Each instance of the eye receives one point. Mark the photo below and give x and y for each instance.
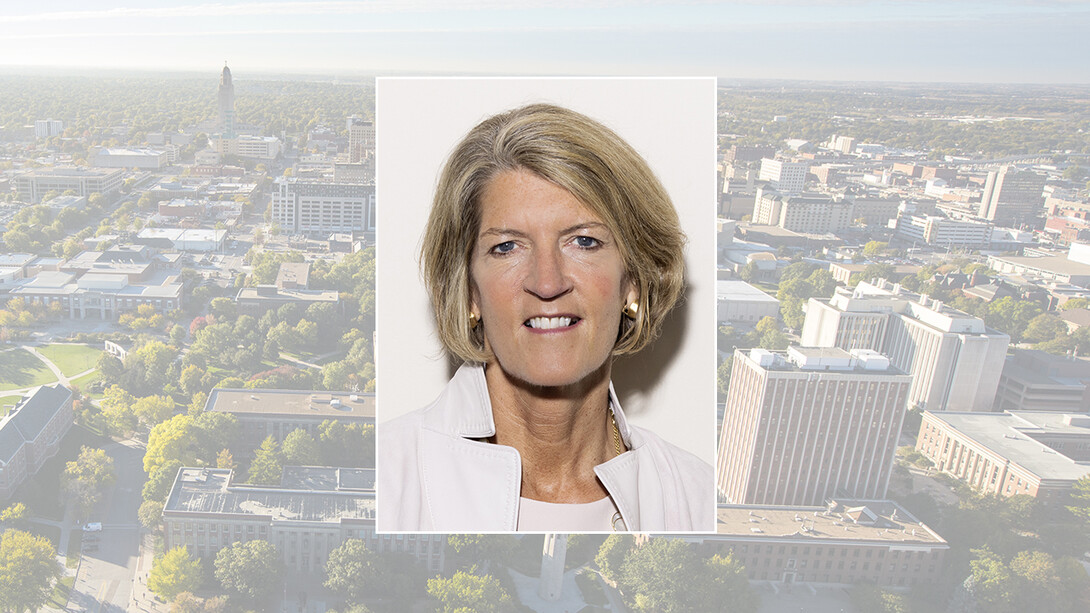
(587, 242)
(503, 248)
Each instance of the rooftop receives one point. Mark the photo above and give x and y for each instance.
(210, 490)
(302, 295)
(874, 521)
(740, 291)
(1059, 264)
(328, 405)
(30, 415)
(1009, 436)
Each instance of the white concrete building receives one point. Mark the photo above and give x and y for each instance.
(131, 158)
(954, 359)
(84, 181)
(943, 232)
(785, 176)
(44, 128)
(810, 423)
(321, 207)
(740, 302)
(246, 146)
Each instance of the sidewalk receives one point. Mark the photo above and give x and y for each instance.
(142, 599)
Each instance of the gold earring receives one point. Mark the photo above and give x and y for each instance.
(631, 310)
(473, 321)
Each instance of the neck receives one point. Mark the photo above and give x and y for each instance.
(562, 433)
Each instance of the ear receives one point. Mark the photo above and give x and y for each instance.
(632, 293)
(474, 302)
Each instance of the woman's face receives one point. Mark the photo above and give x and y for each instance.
(547, 281)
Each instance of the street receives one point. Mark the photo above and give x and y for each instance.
(105, 577)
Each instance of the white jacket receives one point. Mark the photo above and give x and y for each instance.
(433, 477)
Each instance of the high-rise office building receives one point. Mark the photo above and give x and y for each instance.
(808, 424)
(1012, 195)
(361, 139)
(954, 358)
(322, 207)
(225, 98)
(785, 176)
(807, 213)
(44, 128)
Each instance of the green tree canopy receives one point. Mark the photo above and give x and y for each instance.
(251, 569)
(354, 571)
(174, 572)
(87, 477)
(465, 592)
(268, 463)
(28, 568)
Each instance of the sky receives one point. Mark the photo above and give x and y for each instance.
(996, 41)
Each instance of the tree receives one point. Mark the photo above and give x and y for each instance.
(723, 376)
(153, 410)
(150, 514)
(174, 572)
(28, 568)
(1080, 501)
(251, 569)
(771, 337)
(186, 602)
(160, 480)
(465, 592)
(724, 580)
(1076, 303)
(299, 449)
(611, 555)
(15, 515)
(177, 335)
(267, 463)
(993, 584)
(873, 248)
(1044, 327)
(661, 576)
(353, 571)
(190, 379)
(109, 367)
(87, 477)
(224, 459)
(116, 406)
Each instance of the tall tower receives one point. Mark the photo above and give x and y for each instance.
(810, 424)
(1012, 195)
(551, 583)
(226, 100)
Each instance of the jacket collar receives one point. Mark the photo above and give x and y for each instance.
(467, 409)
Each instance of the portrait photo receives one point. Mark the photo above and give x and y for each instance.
(545, 286)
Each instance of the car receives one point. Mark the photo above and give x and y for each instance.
(94, 526)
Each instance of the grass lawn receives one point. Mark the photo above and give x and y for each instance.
(19, 368)
(85, 382)
(5, 401)
(71, 359)
(75, 542)
(61, 589)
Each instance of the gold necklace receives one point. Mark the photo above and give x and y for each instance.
(617, 523)
(616, 432)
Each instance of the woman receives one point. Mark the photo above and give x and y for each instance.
(551, 247)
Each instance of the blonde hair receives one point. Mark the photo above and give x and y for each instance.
(587, 159)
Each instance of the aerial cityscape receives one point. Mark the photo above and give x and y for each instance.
(187, 333)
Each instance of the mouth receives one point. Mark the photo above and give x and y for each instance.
(551, 323)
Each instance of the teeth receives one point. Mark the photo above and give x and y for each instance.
(548, 323)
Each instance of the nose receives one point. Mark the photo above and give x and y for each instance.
(547, 278)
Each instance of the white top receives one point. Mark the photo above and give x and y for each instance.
(538, 516)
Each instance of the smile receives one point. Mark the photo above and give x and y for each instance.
(550, 323)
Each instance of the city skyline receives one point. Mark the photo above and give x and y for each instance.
(998, 42)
